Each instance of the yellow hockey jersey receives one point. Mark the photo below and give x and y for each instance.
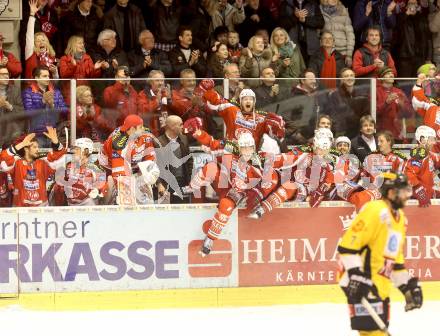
(374, 243)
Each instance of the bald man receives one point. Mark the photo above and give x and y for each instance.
(174, 160)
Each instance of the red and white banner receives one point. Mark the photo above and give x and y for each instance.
(297, 246)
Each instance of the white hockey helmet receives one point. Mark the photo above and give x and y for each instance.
(322, 142)
(324, 132)
(245, 139)
(425, 132)
(84, 143)
(247, 93)
(343, 139)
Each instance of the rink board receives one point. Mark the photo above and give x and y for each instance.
(146, 257)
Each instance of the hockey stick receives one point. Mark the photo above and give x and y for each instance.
(66, 132)
(375, 316)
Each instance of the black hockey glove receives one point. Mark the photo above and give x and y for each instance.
(359, 286)
(413, 294)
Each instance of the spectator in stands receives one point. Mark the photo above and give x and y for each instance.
(264, 33)
(174, 146)
(43, 103)
(154, 100)
(346, 105)
(392, 105)
(127, 21)
(256, 18)
(369, 60)
(328, 62)
(38, 50)
(232, 72)
(287, 56)
(184, 56)
(218, 60)
(8, 60)
(431, 86)
(186, 104)
(338, 22)
(434, 26)
(369, 13)
(302, 19)
(413, 40)
(270, 91)
(365, 142)
(234, 47)
(45, 20)
(166, 23)
(121, 98)
(90, 123)
(220, 34)
(228, 15)
(197, 15)
(109, 54)
(83, 20)
(146, 57)
(324, 121)
(12, 122)
(253, 59)
(77, 64)
(306, 104)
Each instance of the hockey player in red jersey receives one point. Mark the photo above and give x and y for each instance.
(421, 167)
(235, 175)
(427, 109)
(306, 175)
(82, 182)
(364, 188)
(5, 192)
(236, 118)
(30, 173)
(130, 156)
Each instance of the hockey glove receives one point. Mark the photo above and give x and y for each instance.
(317, 196)
(192, 125)
(359, 285)
(420, 193)
(413, 294)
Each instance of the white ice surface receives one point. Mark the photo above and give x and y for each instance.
(320, 319)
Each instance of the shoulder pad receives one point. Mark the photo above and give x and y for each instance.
(419, 153)
(231, 147)
(263, 113)
(335, 152)
(305, 148)
(399, 154)
(119, 140)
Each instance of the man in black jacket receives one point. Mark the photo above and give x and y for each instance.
(302, 19)
(83, 21)
(269, 92)
(174, 160)
(108, 52)
(127, 21)
(366, 141)
(145, 57)
(184, 57)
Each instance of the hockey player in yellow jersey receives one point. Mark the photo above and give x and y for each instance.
(371, 256)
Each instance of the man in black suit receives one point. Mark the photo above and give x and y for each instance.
(174, 160)
(366, 141)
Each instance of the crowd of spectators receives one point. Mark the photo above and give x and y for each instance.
(290, 52)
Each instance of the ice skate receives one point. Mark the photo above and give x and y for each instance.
(206, 247)
(257, 213)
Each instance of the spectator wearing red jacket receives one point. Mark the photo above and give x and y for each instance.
(90, 123)
(121, 98)
(392, 105)
(8, 60)
(38, 50)
(153, 101)
(371, 58)
(77, 64)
